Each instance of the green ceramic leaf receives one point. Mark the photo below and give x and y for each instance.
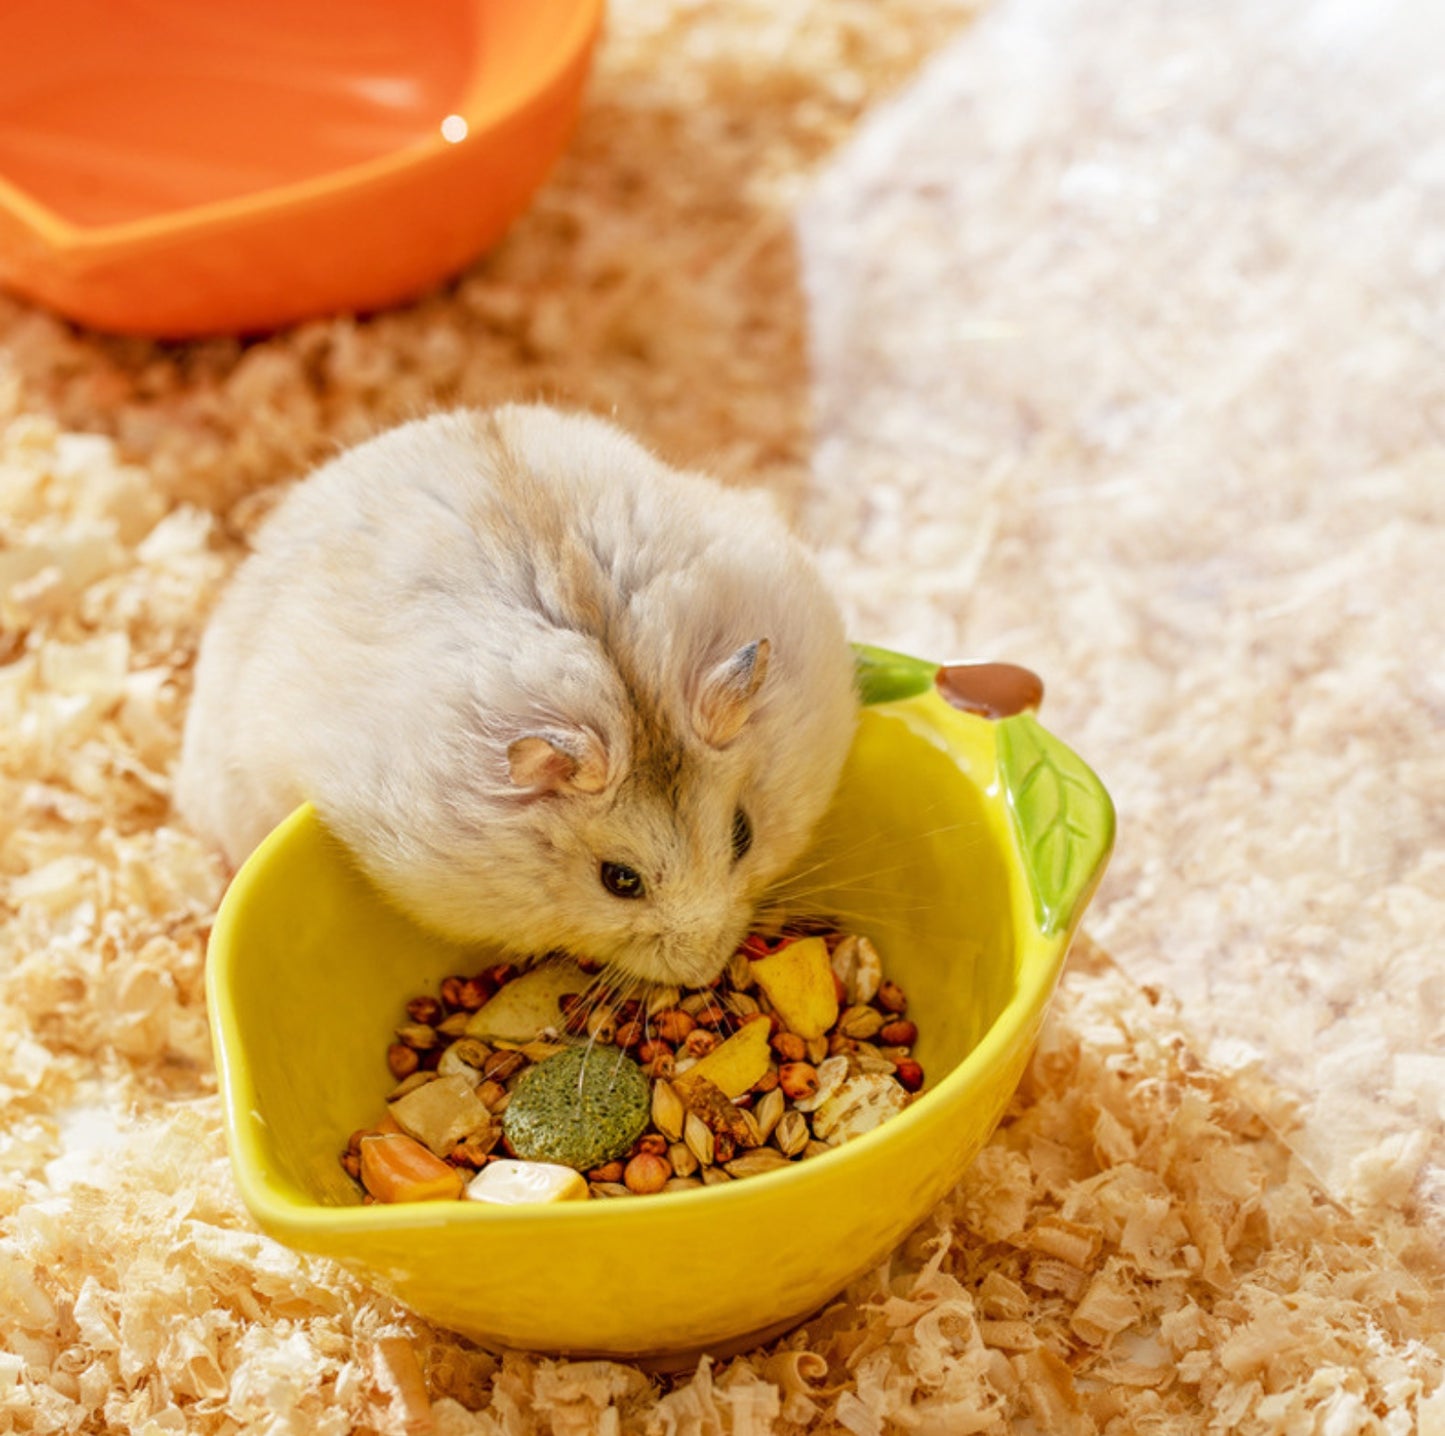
(1062, 817)
(884, 676)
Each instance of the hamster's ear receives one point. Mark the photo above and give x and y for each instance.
(724, 700)
(557, 760)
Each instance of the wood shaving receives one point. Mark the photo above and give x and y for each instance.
(1136, 1249)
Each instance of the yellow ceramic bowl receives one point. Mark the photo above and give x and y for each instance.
(965, 847)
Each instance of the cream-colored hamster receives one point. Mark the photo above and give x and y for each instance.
(552, 693)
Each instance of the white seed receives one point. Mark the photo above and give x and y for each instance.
(743, 1005)
(740, 972)
(767, 1112)
(858, 1105)
(682, 1184)
(859, 968)
(410, 1084)
(753, 1134)
(754, 1164)
(791, 1134)
(698, 1136)
(714, 1177)
(668, 1113)
(860, 1022)
(465, 1055)
(608, 1189)
(831, 1075)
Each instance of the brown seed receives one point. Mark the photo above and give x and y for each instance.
(890, 997)
(418, 1035)
(607, 1172)
(798, 1079)
(682, 1184)
(353, 1142)
(673, 1025)
(590, 965)
(723, 1147)
(663, 1065)
(653, 1142)
(502, 1065)
(714, 1177)
(682, 1159)
(901, 1033)
(646, 1173)
(602, 1026)
(651, 1049)
(351, 1161)
(473, 994)
(712, 1014)
(767, 1082)
(475, 1151)
(608, 1189)
(425, 1009)
(452, 992)
(699, 1042)
(575, 1021)
(909, 1074)
(455, 1025)
(789, 1047)
(838, 1044)
(494, 1095)
(629, 1011)
(402, 1060)
(631, 1034)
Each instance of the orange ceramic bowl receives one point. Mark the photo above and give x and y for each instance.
(185, 167)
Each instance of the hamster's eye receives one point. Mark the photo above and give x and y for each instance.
(621, 880)
(742, 835)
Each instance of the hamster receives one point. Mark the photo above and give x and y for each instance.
(550, 692)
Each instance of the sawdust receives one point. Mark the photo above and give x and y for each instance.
(1135, 1250)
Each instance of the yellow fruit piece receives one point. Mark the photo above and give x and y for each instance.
(511, 1183)
(396, 1168)
(528, 1003)
(440, 1114)
(733, 1066)
(798, 980)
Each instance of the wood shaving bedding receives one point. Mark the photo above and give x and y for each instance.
(1135, 1250)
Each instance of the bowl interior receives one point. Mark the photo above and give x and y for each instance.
(313, 968)
(111, 114)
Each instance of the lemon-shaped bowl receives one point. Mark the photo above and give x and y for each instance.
(965, 846)
(175, 168)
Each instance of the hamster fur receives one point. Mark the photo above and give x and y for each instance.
(517, 662)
